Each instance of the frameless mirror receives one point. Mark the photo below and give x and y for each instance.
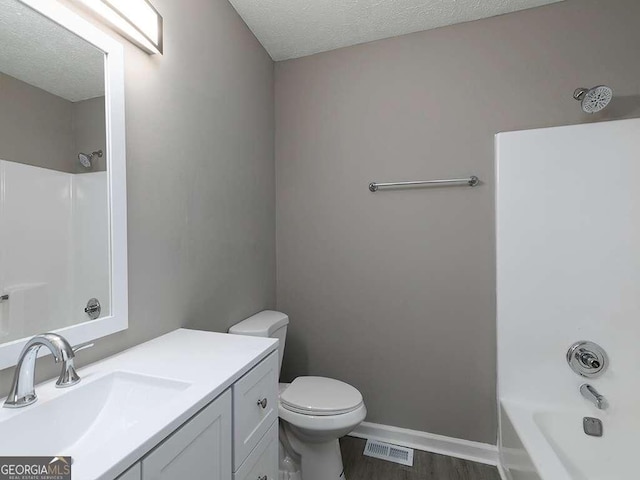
(61, 170)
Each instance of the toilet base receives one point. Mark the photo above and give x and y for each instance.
(322, 461)
(290, 476)
(289, 463)
(309, 460)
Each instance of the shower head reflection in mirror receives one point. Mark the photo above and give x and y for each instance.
(86, 159)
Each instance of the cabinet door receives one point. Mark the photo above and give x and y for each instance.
(132, 474)
(200, 449)
(262, 464)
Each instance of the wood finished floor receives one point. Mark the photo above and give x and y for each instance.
(426, 466)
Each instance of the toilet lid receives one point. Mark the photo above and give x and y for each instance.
(320, 396)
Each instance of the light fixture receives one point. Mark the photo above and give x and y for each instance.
(137, 20)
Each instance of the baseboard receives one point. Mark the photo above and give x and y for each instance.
(429, 442)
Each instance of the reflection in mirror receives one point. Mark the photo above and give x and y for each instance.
(54, 205)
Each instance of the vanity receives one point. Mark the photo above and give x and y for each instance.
(186, 405)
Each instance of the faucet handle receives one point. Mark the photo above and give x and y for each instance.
(69, 376)
(82, 346)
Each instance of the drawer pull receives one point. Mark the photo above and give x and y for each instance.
(262, 403)
(263, 477)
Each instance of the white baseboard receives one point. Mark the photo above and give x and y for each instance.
(429, 442)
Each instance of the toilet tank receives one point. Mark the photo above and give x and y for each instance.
(268, 324)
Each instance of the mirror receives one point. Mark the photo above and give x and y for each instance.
(61, 167)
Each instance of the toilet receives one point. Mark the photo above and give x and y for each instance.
(314, 411)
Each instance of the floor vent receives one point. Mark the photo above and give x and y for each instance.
(391, 453)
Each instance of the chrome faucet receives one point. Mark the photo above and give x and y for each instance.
(593, 396)
(22, 389)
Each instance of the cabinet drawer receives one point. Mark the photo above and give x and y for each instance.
(263, 461)
(255, 407)
(200, 449)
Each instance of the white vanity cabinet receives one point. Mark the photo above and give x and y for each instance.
(199, 449)
(235, 437)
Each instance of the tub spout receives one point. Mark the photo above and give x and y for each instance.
(593, 396)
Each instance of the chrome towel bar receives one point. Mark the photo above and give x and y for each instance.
(469, 182)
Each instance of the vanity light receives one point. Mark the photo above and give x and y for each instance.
(137, 20)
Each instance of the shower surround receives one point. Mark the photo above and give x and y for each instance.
(50, 262)
(568, 269)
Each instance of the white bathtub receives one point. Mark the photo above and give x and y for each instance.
(549, 443)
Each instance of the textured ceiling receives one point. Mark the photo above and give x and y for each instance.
(39, 52)
(295, 28)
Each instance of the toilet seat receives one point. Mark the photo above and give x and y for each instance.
(326, 426)
(320, 396)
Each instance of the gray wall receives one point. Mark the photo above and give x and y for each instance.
(394, 291)
(42, 129)
(200, 184)
(89, 133)
(35, 126)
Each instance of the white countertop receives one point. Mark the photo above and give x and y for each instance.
(209, 362)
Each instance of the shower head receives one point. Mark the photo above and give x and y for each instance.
(594, 99)
(86, 159)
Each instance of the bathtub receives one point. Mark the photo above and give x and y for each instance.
(549, 443)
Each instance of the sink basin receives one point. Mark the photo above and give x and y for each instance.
(86, 417)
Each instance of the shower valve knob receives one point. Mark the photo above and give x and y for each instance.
(594, 364)
(587, 359)
(93, 308)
